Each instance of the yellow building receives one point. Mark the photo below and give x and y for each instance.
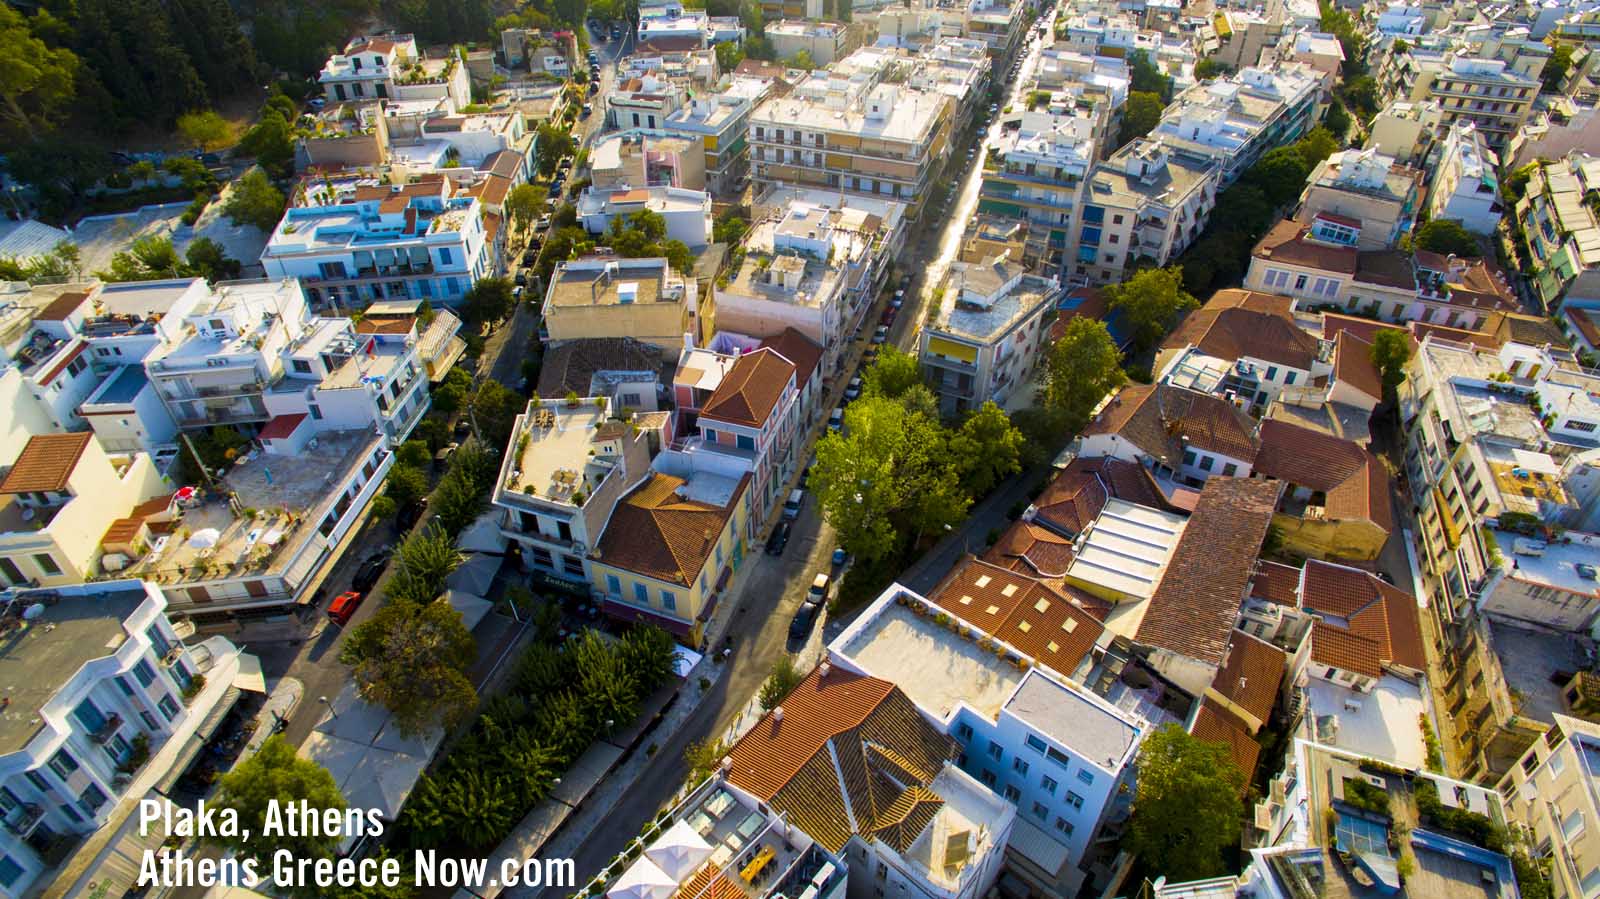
(604, 296)
(670, 549)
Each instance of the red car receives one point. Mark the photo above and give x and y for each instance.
(343, 606)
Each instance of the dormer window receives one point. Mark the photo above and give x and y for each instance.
(1339, 232)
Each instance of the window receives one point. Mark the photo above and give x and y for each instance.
(1040, 812)
(1584, 426)
(1572, 825)
(613, 586)
(444, 256)
(641, 594)
(1034, 743)
(89, 716)
(669, 601)
(964, 731)
(1019, 765)
(746, 443)
(1074, 800)
(168, 707)
(76, 366)
(149, 720)
(1065, 826)
(38, 781)
(63, 764)
(46, 563)
(987, 777)
(1012, 794)
(1230, 470)
(9, 870)
(91, 798)
(1189, 457)
(1085, 776)
(301, 366)
(1300, 282)
(1288, 378)
(1272, 373)
(1207, 462)
(1334, 232)
(1049, 784)
(995, 751)
(72, 816)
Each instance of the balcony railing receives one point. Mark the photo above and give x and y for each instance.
(106, 730)
(25, 819)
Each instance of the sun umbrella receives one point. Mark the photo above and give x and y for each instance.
(205, 538)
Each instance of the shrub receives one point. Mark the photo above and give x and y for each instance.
(1365, 796)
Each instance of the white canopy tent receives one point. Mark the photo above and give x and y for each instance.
(643, 881)
(679, 852)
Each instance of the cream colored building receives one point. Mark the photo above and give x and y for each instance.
(1554, 792)
(604, 296)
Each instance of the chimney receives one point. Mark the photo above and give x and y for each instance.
(777, 715)
(823, 669)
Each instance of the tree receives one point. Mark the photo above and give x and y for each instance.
(405, 484)
(1338, 23)
(1391, 350)
(1280, 174)
(1317, 145)
(554, 143)
(192, 172)
(270, 142)
(494, 409)
(1152, 302)
(523, 204)
(729, 55)
(1336, 120)
(416, 667)
(1187, 807)
(729, 229)
(36, 80)
(678, 255)
(704, 756)
(61, 167)
(204, 129)
(1148, 78)
(254, 201)
(1079, 370)
(780, 682)
(1209, 68)
(206, 259)
(1361, 95)
(987, 447)
(1445, 236)
(1400, 47)
(489, 300)
(895, 372)
(149, 258)
(1554, 73)
(1140, 115)
(276, 774)
(802, 60)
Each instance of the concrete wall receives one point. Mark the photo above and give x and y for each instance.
(1330, 539)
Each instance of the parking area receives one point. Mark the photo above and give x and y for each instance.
(101, 237)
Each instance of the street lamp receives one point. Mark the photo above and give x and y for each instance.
(327, 702)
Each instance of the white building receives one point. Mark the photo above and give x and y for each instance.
(388, 67)
(381, 242)
(109, 706)
(1233, 121)
(1465, 185)
(989, 337)
(687, 212)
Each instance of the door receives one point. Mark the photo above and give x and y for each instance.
(10, 571)
(255, 588)
(199, 594)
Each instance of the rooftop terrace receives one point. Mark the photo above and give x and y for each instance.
(1568, 564)
(937, 667)
(553, 459)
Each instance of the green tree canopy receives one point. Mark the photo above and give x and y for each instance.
(554, 143)
(271, 143)
(1209, 68)
(149, 257)
(1152, 302)
(204, 129)
(1140, 115)
(1554, 73)
(253, 200)
(802, 60)
(895, 372)
(489, 300)
(36, 80)
(523, 204)
(1445, 236)
(1079, 370)
(986, 448)
(414, 665)
(495, 408)
(1147, 77)
(207, 259)
(1187, 808)
(1391, 350)
(729, 55)
(780, 682)
(1281, 174)
(276, 774)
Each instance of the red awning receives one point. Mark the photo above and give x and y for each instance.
(624, 612)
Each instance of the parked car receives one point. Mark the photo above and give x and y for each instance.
(588, 110)
(367, 574)
(853, 389)
(516, 293)
(840, 557)
(805, 618)
(616, 32)
(542, 225)
(344, 606)
(836, 419)
(898, 300)
(522, 279)
(881, 334)
(820, 587)
(889, 316)
(779, 538)
(870, 356)
(791, 506)
(410, 514)
(530, 256)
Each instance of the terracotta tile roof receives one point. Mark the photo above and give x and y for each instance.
(1213, 724)
(1092, 303)
(1194, 607)
(655, 532)
(1352, 364)
(845, 753)
(904, 820)
(1044, 623)
(1339, 219)
(1433, 262)
(1481, 285)
(281, 426)
(1353, 479)
(1287, 243)
(1155, 418)
(503, 163)
(570, 366)
(395, 203)
(62, 306)
(1032, 550)
(1587, 323)
(495, 189)
(1363, 623)
(46, 463)
(799, 349)
(1251, 675)
(1364, 328)
(1235, 324)
(1075, 497)
(1276, 582)
(1531, 330)
(1390, 268)
(1420, 330)
(122, 531)
(385, 325)
(750, 391)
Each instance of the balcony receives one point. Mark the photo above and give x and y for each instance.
(24, 819)
(107, 730)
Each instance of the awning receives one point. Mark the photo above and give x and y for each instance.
(249, 676)
(202, 733)
(952, 349)
(624, 612)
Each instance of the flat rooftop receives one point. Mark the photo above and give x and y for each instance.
(1537, 664)
(911, 115)
(554, 463)
(284, 493)
(937, 668)
(983, 324)
(1127, 548)
(968, 807)
(121, 387)
(594, 285)
(1553, 564)
(1523, 478)
(380, 363)
(1381, 724)
(37, 657)
(1074, 720)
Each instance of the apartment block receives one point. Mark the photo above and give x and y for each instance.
(1244, 347)
(1235, 120)
(109, 711)
(1368, 189)
(1145, 202)
(1553, 791)
(1563, 231)
(989, 335)
(377, 242)
(605, 296)
(389, 67)
(721, 122)
(998, 23)
(1038, 173)
(1465, 186)
(1490, 93)
(824, 42)
(866, 136)
(687, 213)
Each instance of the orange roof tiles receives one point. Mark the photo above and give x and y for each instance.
(1194, 607)
(1287, 243)
(62, 306)
(1251, 674)
(800, 350)
(1156, 418)
(46, 463)
(1240, 323)
(1212, 724)
(1021, 611)
(1352, 364)
(1363, 623)
(1276, 582)
(750, 391)
(1356, 487)
(1032, 550)
(657, 533)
